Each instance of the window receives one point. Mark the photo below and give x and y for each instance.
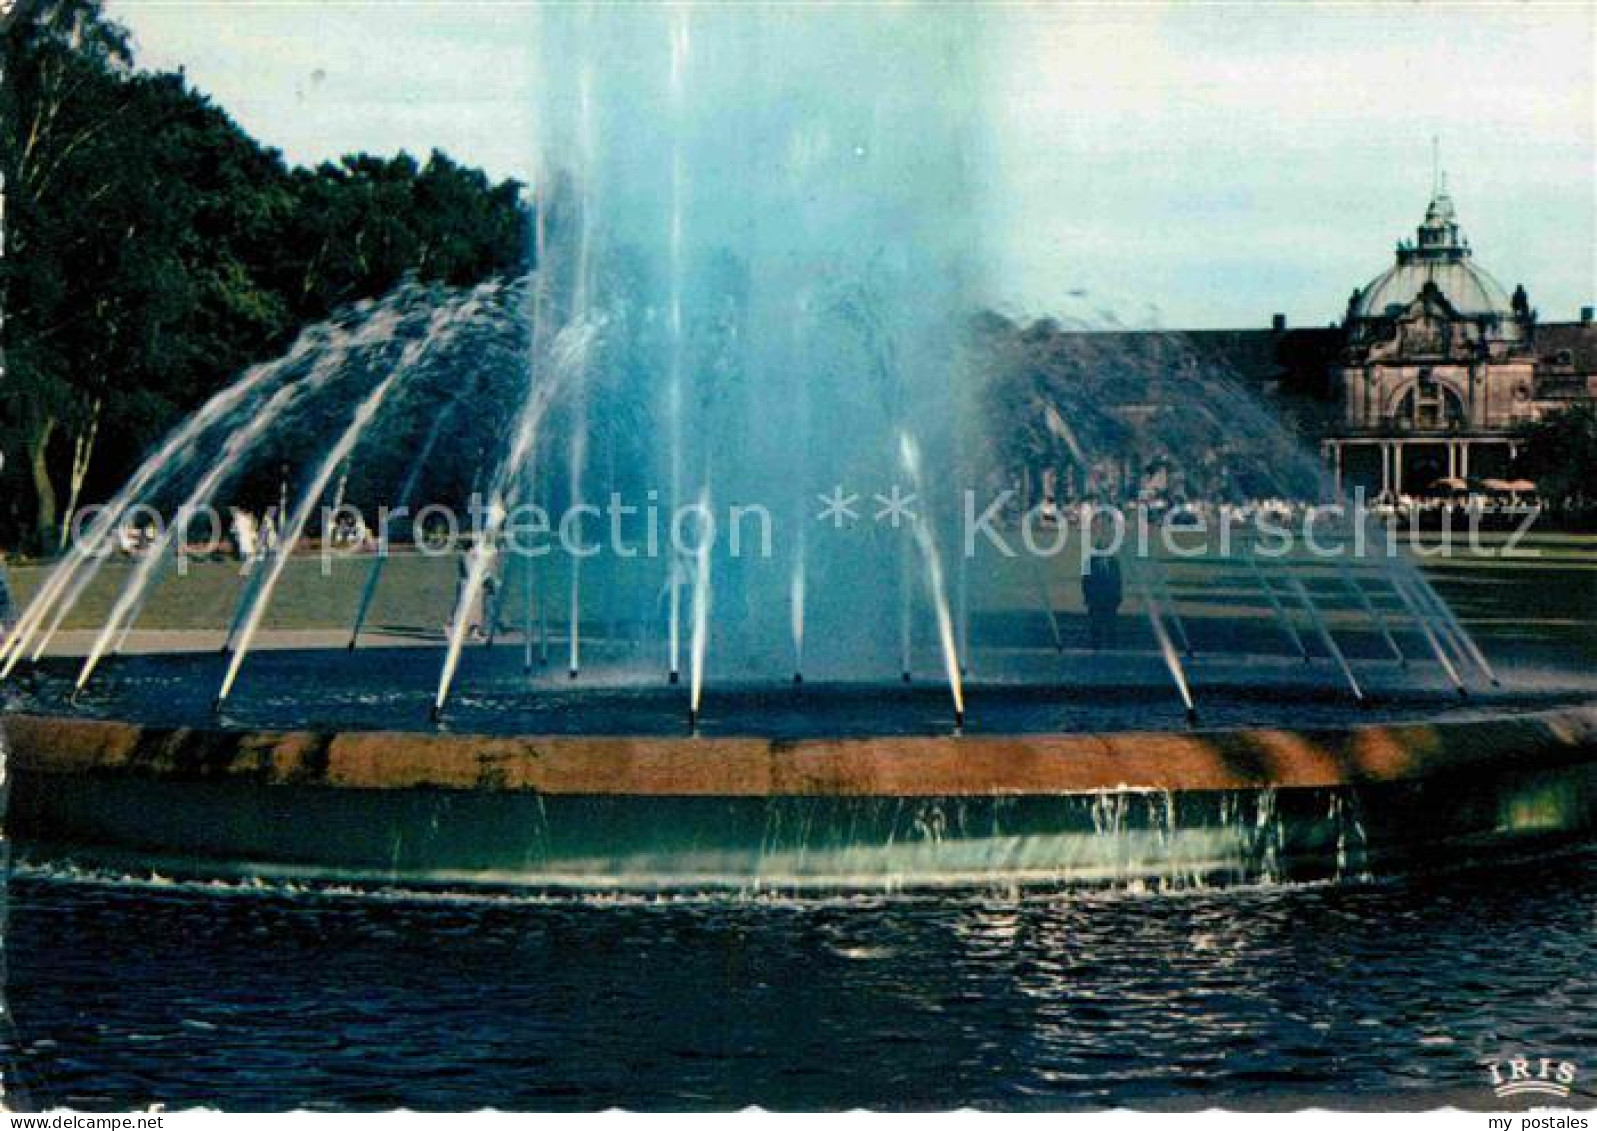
(1428, 405)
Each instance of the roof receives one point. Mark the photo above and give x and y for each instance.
(1468, 288)
(1440, 255)
(1578, 338)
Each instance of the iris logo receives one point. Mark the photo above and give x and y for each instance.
(1521, 1076)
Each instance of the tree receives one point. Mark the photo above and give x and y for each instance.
(58, 105)
(1559, 452)
(156, 250)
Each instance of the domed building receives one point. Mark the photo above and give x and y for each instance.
(1437, 371)
(1441, 257)
(1427, 378)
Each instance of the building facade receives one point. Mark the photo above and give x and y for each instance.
(1422, 387)
(1440, 367)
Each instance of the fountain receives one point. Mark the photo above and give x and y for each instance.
(759, 258)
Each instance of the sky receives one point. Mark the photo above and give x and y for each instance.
(1194, 165)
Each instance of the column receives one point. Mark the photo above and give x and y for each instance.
(1397, 466)
(1463, 459)
(1386, 467)
(1452, 459)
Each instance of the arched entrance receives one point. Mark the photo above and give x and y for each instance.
(1429, 405)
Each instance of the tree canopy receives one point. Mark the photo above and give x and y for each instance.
(154, 249)
(1559, 452)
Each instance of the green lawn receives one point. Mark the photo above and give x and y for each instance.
(1541, 604)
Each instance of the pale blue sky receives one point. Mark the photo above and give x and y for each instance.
(1198, 165)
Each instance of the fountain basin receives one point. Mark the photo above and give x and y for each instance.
(1158, 808)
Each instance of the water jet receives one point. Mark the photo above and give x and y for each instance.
(679, 340)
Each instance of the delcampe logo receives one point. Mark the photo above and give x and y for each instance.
(1522, 1076)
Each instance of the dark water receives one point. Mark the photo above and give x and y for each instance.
(390, 689)
(130, 995)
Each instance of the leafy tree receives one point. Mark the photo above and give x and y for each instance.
(1559, 452)
(60, 64)
(155, 249)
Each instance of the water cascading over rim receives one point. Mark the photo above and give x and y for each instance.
(760, 251)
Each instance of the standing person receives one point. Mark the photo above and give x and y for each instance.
(462, 572)
(474, 625)
(245, 537)
(1102, 590)
(8, 608)
(267, 540)
(490, 601)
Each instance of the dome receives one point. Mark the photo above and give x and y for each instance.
(1466, 286)
(1442, 256)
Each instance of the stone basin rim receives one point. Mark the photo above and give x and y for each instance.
(905, 766)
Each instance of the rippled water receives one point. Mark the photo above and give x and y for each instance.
(337, 689)
(128, 995)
